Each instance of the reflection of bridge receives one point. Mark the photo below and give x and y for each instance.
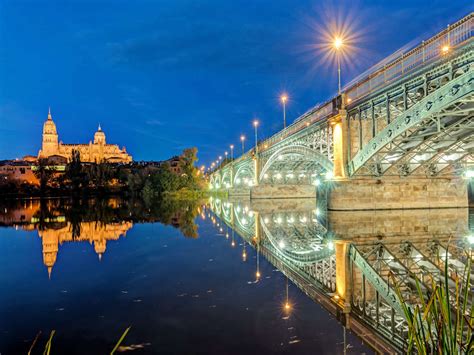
(404, 130)
(352, 272)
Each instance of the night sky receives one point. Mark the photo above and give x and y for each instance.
(160, 76)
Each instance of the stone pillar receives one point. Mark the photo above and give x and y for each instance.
(256, 169)
(339, 141)
(398, 193)
(343, 286)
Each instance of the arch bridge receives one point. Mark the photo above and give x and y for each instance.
(406, 127)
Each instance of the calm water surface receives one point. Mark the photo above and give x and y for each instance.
(183, 282)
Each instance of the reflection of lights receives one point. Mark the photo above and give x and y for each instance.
(470, 239)
(469, 174)
(244, 255)
(221, 230)
(227, 235)
(233, 244)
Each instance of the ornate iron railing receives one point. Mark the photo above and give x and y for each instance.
(453, 36)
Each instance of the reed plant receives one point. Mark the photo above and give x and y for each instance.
(442, 321)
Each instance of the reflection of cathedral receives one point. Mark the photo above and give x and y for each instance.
(94, 232)
(93, 152)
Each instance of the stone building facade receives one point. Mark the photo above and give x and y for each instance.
(94, 152)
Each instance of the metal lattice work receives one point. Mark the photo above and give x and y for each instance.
(377, 270)
(296, 236)
(294, 164)
(406, 132)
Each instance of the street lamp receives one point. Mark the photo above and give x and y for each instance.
(226, 153)
(231, 152)
(337, 45)
(284, 99)
(255, 124)
(242, 139)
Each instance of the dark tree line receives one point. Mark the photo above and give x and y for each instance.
(82, 179)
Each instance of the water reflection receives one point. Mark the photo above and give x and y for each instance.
(95, 221)
(345, 261)
(351, 262)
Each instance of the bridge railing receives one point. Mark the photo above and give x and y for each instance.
(429, 50)
(314, 115)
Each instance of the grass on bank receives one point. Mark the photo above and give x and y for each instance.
(442, 322)
(47, 349)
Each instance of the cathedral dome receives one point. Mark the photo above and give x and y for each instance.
(49, 127)
(99, 136)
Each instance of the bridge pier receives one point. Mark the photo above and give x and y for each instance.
(268, 191)
(398, 193)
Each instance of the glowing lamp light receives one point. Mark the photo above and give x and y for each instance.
(317, 182)
(445, 49)
(470, 239)
(257, 274)
(338, 43)
(281, 244)
(329, 175)
(331, 246)
(287, 306)
(284, 98)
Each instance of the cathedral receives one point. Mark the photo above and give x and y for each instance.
(96, 152)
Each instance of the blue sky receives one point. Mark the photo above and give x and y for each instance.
(163, 75)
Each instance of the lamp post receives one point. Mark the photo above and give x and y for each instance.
(337, 44)
(231, 152)
(226, 153)
(255, 124)
(284, 99)
(242, 139)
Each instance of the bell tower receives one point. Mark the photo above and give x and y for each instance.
(50, 138)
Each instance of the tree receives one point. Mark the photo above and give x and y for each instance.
(74, 171)
(44, 173)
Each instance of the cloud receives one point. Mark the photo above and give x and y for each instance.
(154, 122)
